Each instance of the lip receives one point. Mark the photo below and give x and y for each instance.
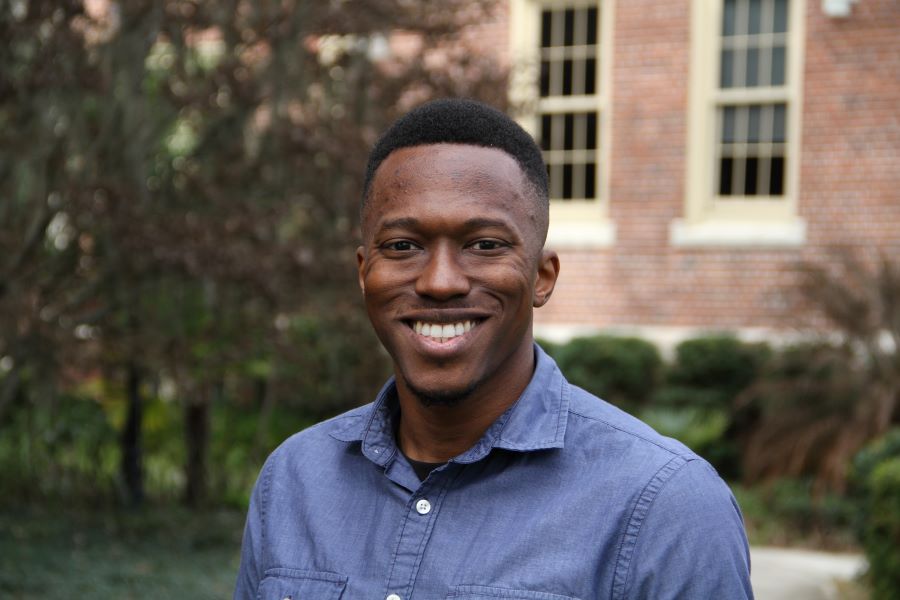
(443, 350)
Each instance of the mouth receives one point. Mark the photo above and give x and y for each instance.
(443, 332)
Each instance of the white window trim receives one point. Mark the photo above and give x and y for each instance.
(740, 222)
(573, 224)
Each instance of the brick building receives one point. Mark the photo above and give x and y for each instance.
(699, 148)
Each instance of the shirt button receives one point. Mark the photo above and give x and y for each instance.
(423, 507)
(393, 597)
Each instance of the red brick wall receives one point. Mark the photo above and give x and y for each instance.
(849, 174)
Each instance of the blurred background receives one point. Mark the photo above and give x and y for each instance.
(179, 193)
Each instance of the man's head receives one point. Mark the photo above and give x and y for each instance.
(452, 261)
(460, 121)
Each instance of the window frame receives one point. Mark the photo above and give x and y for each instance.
(710, 219)
(573, 223)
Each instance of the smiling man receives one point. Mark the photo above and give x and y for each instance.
(478, 472)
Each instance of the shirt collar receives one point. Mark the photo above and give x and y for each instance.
(536, 421)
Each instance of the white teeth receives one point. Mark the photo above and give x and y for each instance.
(442, 332)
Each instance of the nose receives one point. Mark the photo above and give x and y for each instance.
(442, 276)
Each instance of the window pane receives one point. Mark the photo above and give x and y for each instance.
(592, 26)
(545, 78)
(590, 76)
(546, 19)
(567, 181)
(590, 184)
(776, 176)
(567, 78)
(779, 58)
(778, 121)
(726, 164)
(753, 125)
(755, 16)
(781, 16)
(728, 124)
(726, 78)
(545, 132)
(752, 79)
(591, 131)
(751, 170)
(568, 130)
(729, 14)
(569, 29)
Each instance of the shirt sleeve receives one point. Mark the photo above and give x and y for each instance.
(252, 547)
(690, 540)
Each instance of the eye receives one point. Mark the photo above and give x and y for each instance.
(487, 245)
(398, 246)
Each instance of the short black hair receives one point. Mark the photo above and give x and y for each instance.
(462, 121)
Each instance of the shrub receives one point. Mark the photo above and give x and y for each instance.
(876, 486)
(622, 370)
(811, 416)
(701, 386)
(712, 370)
(882, 533)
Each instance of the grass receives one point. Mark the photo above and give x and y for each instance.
(89, 553)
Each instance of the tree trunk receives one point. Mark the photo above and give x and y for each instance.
(196, 427)
(131, 446)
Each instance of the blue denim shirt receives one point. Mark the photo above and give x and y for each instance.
(564, 496)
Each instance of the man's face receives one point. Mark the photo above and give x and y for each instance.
(451, 266)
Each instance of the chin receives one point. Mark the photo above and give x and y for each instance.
(430, 396)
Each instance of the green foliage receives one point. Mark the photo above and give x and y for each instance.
(110, 554)
(876, 486)
(699, 428)
(622, 370)
(712, 370)
(787, 512)
(882, 537)
(809, 421)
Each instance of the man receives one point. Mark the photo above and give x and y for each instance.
(479, 472)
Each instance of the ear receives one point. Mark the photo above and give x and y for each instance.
(547, 273)
(361, 268)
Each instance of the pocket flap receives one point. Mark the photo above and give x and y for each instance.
(297, 584)
(483, 592)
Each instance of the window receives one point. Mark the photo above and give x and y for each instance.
(560, 54)
(568, 125)
(745, 96)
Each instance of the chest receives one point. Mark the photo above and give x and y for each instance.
(513, 529)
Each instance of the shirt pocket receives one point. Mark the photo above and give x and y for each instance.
(297, 584)
(483, 592)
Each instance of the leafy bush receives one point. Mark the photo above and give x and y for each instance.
(812, 416)
(702, 430)
(882, 534)
(622, 370)
(788, 512)
(876, 485)
(712, 370)
(701, 384)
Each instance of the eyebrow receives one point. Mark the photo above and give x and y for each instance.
(474, 223)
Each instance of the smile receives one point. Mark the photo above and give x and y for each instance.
(443, 332)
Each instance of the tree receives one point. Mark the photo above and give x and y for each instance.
(183, 181)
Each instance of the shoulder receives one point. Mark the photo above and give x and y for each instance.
(334, 432)
(593, 421)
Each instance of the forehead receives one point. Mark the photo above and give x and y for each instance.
(450, 176)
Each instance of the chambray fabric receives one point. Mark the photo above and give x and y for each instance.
(564, 497)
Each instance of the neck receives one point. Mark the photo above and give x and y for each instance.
(436, 433)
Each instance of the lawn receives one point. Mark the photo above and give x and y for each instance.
(100, 554)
